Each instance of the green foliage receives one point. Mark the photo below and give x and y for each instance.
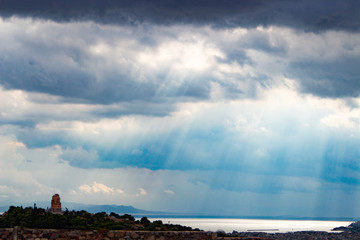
(39, 218)
(221, 233)
(145, 221)
(125, 217)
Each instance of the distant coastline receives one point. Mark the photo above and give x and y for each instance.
(19, 221)
(138, 213)
(172, 215)
(229, 225)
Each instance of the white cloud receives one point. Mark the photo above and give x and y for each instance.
(85, 188)
(186, 54)
(142, 192)
(169, 192)
(99, 188)
(119, 191)
(343, 117)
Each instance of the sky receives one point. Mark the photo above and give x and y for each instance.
(233, 107)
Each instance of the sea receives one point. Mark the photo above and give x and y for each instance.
(229, 225)
(254, 225)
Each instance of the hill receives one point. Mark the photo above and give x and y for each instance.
(34, 217)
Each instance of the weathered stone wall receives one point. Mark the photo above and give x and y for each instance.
(42, 234)
(243, 238)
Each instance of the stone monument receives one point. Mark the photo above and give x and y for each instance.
(55, 204)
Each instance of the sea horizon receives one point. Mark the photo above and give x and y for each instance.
(229, 225)
(278, 217)
(185, 216)
(160, 214)
(268, 224)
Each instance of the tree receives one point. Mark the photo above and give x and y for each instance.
(145, 221)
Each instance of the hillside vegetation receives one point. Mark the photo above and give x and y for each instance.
(33, 217)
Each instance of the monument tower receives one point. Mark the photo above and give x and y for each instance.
(55, 204)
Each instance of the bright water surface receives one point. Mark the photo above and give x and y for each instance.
(254, 225)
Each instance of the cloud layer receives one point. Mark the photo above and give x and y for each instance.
(309, 15)
(154, 104)
(170, 64)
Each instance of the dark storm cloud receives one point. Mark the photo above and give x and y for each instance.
(82, 87)
(308, 15)
(337, 78)
(74, 85)
(135, 108)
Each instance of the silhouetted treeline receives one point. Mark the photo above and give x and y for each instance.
(40, 218)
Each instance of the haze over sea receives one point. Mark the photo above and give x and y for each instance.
(254, 225)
